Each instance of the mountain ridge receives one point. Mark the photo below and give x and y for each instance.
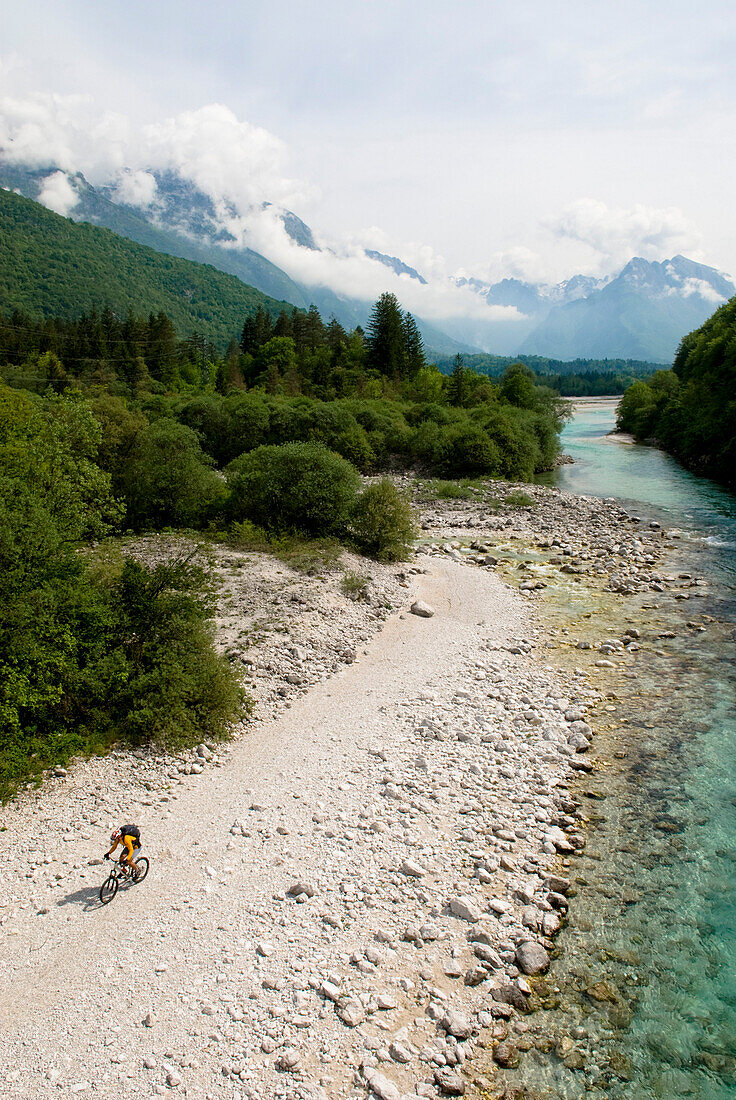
(641, 312)
(182, 222)
(51, 265)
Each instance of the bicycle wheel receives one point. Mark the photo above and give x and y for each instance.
(142, 871)
(109, 888)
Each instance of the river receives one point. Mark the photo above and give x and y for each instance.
(645, 984)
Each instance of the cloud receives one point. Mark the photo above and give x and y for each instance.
(241, 167)
(225, 157)
(698, 287)
(58, 194)
(136, 188)
(616, 234)
(343, 267)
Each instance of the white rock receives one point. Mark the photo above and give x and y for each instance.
(466, 909)
(413, 869)
(381, 1086)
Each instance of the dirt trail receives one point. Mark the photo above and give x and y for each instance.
(210, 963)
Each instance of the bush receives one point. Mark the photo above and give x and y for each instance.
(466, 449)
(354, 585)
(382, 524)
(167, 480)
(297, 488)
(172, 686)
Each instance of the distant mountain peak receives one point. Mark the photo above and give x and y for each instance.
(397, 266)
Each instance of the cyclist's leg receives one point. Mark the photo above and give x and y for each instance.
(129, 853)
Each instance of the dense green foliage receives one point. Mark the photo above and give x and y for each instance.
(306, 490)
(289, 379)
(51, 266)
(495, 365)
(381, 522)
(295, 488)
(589, 383)
(88, 656)
(691, 410)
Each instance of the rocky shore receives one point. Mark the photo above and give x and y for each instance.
(359, 895)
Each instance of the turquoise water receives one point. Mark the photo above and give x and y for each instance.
(644, 475)
(654, 918)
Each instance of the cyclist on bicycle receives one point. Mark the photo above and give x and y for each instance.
(130, 838)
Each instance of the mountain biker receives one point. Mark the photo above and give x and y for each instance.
(130, 838)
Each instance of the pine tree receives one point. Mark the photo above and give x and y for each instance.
(257, 330)
(336, 338)
(415, 358)
(314, 329)
(457, 388)
(284, 325)
(386, 338)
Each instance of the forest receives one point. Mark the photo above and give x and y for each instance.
(571, 378)
(116, 426)
(690, 410)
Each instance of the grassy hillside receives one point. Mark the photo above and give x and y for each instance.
(51, 266)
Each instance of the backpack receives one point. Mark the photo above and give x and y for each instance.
(131, 830)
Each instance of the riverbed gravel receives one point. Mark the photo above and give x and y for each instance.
(356, 895)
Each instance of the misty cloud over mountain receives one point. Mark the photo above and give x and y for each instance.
(210, 187)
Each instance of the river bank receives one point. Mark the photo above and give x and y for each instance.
(352, 899)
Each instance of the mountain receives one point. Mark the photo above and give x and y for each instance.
(178, 238)
(52, 266)
(397, 266)
(181, 220)
(641, 314)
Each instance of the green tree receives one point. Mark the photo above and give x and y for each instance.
(257, 330)
(382, 523)
(517, 386)
(415, 358)
(52, 447)
(458, 387)
(387, 338)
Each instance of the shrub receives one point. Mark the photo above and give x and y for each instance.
(382, 524)
(446, 490)
(354, 585)
(168, 480)
(175, 687)
(296, 488)
(466, 449)
(519, 499)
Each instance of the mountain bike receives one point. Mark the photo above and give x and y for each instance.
(121, 873)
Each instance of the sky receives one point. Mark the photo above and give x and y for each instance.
(536, 140)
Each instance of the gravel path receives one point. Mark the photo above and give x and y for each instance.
(306, 928)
